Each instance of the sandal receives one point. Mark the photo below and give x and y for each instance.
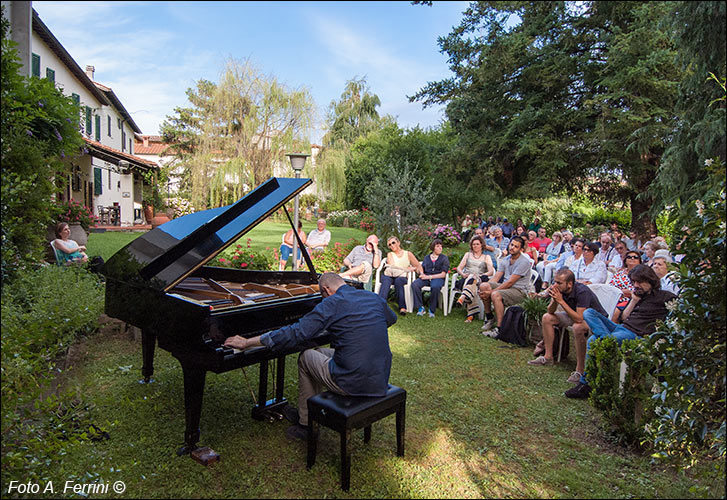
(469, 319)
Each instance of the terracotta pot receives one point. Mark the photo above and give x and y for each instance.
(148, 213)
(159, 220)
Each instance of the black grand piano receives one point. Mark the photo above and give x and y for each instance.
(159, 282)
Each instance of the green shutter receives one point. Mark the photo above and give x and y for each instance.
(97, 186)
(88, 120)
(98, 128)
(50, 74)
(108, 124)
(76, 98)
(36, 66)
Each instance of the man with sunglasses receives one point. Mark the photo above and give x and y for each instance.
(359, 362)
(647, 306)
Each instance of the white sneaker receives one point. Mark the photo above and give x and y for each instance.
(489, 324)
(491, 333)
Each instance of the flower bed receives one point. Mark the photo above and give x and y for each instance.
(246, 258)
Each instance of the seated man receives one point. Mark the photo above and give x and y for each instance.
(573, 298)
(362, 260)
(360, 359)
(647, 306)
(319, 238)
(515, 271)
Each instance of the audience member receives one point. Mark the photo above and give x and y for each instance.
(319, 238)
(532, 247)
(543, 241)
(466, 228)
(507, 228)
(362, 260)
(550, 257)
(660, 265)
(535, 225)
(568, 301)
(286, 247)
(632, 242)
(434, 269)
(568, 259)
(399, 263)
(515, 273)
(647, 306)
(607, 252)
(587, 269)
(621, 281)
(617, 262)
(474, 268)
(68, 250)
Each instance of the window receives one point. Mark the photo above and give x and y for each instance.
(109, 179)
(76, 178)
(97, 187)
(50, 74)
(108, 124)
(88, 121)
(76, 98)
(118, 123)
(35, 70)
(131, 144)
(98, 128)
(123, 140)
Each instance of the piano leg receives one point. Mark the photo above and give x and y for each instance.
(194, 379)
(148, 344)
(272, 409)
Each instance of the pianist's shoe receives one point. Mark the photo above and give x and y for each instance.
(291, 414)
(297, 432)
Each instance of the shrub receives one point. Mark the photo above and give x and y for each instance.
(338, 217)
(450, 236)
(332, 258)
(181, 206)
(246, 258)
(690, 346)
(72, 211)
(535, 308)
(43, 312)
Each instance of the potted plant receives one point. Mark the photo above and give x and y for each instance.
(535, 307)
(79, 218)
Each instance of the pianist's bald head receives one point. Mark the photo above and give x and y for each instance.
(331, 282)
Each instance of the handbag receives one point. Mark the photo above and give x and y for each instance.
(394, 272)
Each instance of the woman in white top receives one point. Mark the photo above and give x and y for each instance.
(475, 267)
(546, 266)
(398, 263)
(588, 269)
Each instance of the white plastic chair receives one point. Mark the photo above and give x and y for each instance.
(407, 288)
(608, 296)
(533, 278)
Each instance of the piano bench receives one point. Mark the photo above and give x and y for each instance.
(345, 413)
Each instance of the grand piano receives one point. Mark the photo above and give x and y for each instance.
(159, 283)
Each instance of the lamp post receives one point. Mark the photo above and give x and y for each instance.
(297, 161)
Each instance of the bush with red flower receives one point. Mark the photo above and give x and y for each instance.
(367, 222)
(72, 211)
(332, 258)
(247, 258)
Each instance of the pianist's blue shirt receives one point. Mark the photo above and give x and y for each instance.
(358, 322)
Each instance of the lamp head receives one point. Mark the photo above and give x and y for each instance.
(297, 160)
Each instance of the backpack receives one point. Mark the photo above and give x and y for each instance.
(512, 329)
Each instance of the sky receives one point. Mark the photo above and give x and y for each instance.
(150, 53)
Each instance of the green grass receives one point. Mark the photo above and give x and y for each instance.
(266, 235)
(479, 423)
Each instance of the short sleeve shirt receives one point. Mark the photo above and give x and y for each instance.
(317, 237)
(359, 255)
(521, 267)
(582, 296)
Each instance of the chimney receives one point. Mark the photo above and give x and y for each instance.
(146, 140)
(89, 71)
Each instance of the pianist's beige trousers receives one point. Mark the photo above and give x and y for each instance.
(314, 377)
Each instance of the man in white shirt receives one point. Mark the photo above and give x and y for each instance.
(318, 239)
(607, 252)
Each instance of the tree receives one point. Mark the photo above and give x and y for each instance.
(39, 131)
(699, 31)
(236, 131)
(555, 95)
(354, 115)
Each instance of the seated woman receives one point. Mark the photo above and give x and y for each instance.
(546, 266)
(286, 248)
(398, 263)
(621, 281)
(433, 272)
(475, 268)
(531, 246)
(67, 250)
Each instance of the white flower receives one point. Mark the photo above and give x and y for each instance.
(708, 162)
(700, 207)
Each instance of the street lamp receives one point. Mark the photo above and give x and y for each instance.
(297, 161)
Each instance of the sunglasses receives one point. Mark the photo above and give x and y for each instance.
(392, 243)
(632, 257)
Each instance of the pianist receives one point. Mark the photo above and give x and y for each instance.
(360, 359)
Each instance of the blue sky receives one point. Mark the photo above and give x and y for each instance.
(150, 53)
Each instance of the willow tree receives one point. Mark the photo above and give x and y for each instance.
(352, 116)
(236, 132)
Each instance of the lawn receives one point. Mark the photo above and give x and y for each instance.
(479, 423)
(266, 235)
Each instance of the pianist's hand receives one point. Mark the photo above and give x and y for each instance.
(237, 342)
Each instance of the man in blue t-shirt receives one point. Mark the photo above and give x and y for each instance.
(359, 362)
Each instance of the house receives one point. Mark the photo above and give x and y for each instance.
(107, 173)
(151, 148)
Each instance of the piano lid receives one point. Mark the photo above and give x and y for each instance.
(164, 256)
